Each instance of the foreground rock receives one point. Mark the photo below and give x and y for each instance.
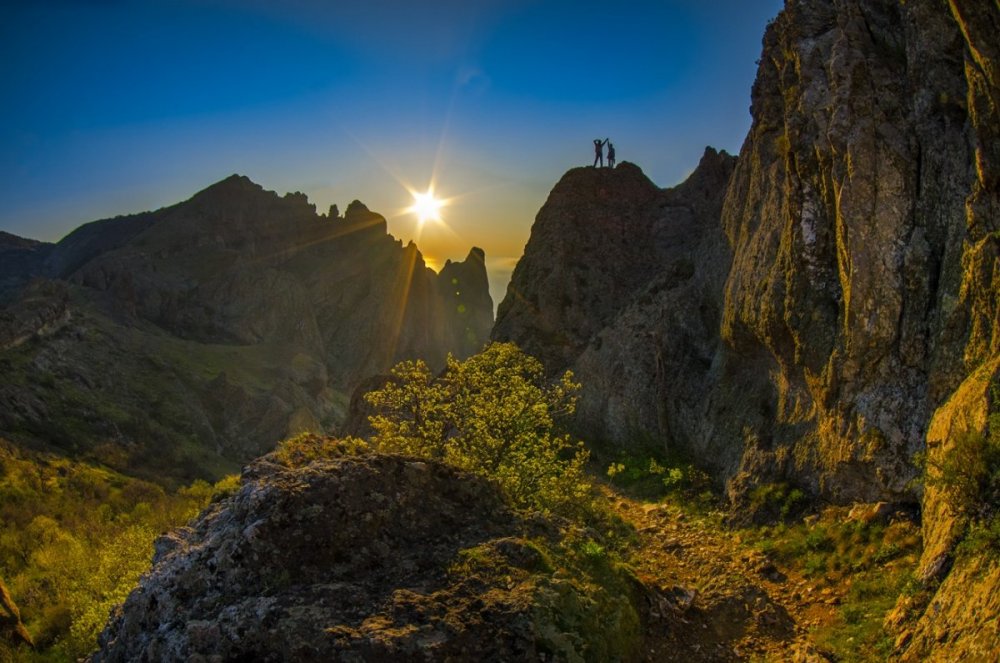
(373, 558)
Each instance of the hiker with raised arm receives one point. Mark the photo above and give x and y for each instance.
(599, 151)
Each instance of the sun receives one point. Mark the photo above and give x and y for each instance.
(426, 206)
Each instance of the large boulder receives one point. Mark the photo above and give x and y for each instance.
(374, 558)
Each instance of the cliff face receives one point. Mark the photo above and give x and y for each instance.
(858, 287)
(852, 245)
(220, 325)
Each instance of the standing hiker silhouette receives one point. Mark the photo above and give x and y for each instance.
(611, 154)
(599, 151)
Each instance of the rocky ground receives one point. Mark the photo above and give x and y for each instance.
(712, 593)
(735, 602)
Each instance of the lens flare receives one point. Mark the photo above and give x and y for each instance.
(426, 206)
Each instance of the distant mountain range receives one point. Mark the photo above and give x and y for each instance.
(185, 340)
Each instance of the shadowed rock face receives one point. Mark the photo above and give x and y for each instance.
(621, 282)
(228, 321)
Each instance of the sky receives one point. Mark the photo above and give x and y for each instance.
(120, 106)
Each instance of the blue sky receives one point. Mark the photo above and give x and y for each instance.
(119, 106)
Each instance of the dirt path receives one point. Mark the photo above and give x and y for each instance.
(713, 598)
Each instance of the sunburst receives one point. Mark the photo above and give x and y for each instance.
(426, 206)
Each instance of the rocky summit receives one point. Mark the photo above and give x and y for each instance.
(831, 308)
(202, 333)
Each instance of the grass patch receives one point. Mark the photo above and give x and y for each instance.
(654, 476)
(875, 560)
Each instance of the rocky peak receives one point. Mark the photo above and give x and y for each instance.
(358, 218)
(233, 187)
(602, 235)
(280, 311)
(464, 287)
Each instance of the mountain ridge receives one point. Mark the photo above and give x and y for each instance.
(244, 314)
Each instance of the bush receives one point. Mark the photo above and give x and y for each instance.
(654, 477)
(306, 447)
(779, 501)
(493, 414)
(74, 539)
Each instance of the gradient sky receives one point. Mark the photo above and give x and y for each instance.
(119, 106)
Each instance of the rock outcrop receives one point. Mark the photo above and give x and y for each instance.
(619, 282)
(12, 630)
(860, 284)
(204, 332)
(373, 558)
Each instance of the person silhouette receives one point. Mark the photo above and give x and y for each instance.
(611, 154)
(599, 151)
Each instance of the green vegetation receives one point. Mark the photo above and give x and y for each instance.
(771, 502)
(305, 448)
(74, 539)
(653, 476)
(496, 415)
(493, 414)
(141, 401)
(582, 594)
(873, 559)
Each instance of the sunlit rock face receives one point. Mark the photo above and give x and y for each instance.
(863, 287)
(223, 323)
(806, 328)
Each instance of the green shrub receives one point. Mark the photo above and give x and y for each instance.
(653, 477)
(305, 448)
(493, 414)
(778, 501)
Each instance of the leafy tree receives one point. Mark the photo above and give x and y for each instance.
(493, 414)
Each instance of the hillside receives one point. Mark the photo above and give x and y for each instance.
(183, 341)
